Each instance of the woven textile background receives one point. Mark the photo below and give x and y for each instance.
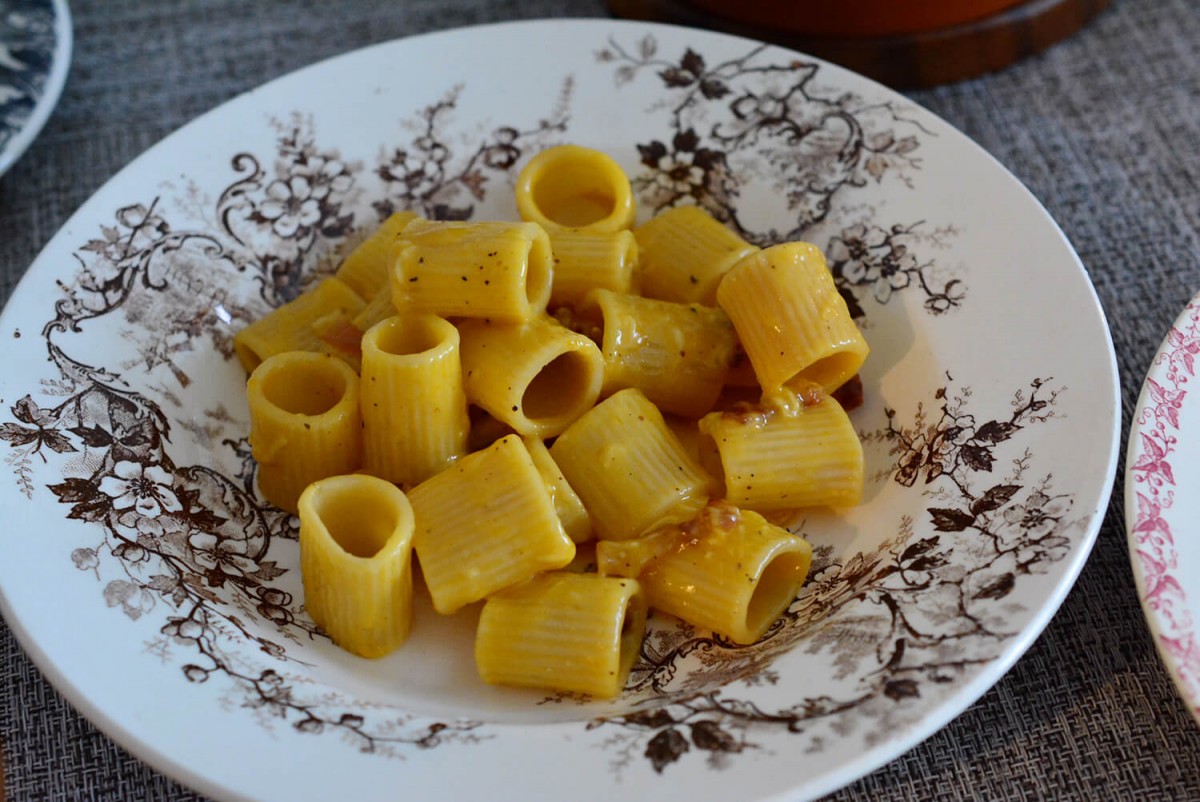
(1103, 128)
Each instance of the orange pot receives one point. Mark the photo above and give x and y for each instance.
(853, 17)
(904, 43)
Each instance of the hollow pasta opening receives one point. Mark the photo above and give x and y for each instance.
(573, 196)
(571, 187)
(310, 386)
(559, 389)
(633, 630)
(777, 586)
(829, 372)
(405, 338)
(358, 518)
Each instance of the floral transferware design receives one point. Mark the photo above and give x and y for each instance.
(157, 469)
(881, 617)
(1156, 433)
(753, 119)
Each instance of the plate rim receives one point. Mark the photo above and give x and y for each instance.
(963, 697)
(1156, 622)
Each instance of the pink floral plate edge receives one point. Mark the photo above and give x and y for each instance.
(1168, 585)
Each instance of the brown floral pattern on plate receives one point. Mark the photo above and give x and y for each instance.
(183, 540)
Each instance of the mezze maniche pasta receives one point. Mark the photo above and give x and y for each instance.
(566, 455)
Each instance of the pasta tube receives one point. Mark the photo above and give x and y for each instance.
(584, 261)
(630, 470)
(629, 558)
(683, 253)
(791, 319)
(788, 452)
(484, 524)
(536, 376)
(495, 270)
(380, 307)
(366, 269)
(566, 631)
(355, 561)
(304, 423)
(290, 327)
(567, 504)
(572, 187)
(731, 571)
(677, 354)
(414, 411)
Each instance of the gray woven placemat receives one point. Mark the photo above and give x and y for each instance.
(1103, 128)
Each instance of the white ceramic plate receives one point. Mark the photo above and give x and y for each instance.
(162, 598)
(35, 55)
(1162, 464)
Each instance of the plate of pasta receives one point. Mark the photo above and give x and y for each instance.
(666, 409)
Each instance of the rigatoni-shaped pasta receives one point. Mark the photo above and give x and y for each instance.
(355, 561)
(677, 354)
(791, 319)
(339, 337)
(289, 327)
(586, 260)
(378, 308)
(414, 410)
(630, 470)
(536, 376)
(683, 253)
(575, 187)
(485, 523)
(304, 423)
(789, 451)
(495, 270)
(629, 558)
(571, 512)
(367, 268)
(565, 631)
(732, 572)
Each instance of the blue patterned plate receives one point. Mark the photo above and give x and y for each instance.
(35, 54)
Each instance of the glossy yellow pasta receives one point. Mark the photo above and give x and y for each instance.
(585, 260)
(304, 423)
(572, 187)
(683, 253)
(340, 337)
(789, 451)
(378, 308)
(536, 376)
(630, 470)
(290, 327)
(484, 524)
(367, 268)
(414, 410)
(791, 319)
(534, 426)
(566, 631)
(731, 571)
(355, 561)
(493, 270)
(567, 504)
(630, 558)
(677, 354)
